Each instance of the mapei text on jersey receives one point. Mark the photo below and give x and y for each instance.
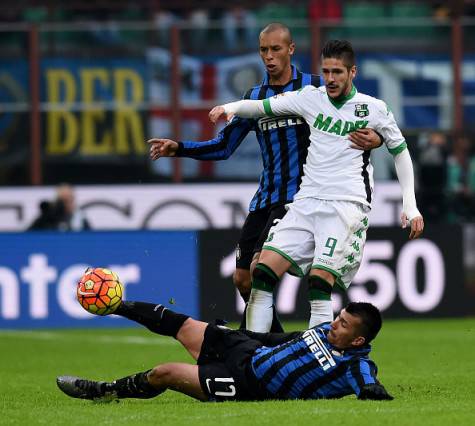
(338, 127)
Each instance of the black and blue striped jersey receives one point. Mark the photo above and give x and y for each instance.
(283, 142)
(309, 367)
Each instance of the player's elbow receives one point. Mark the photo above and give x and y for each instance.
(226, 153)
(224, 156)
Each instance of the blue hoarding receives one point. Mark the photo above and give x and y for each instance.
(39, 272)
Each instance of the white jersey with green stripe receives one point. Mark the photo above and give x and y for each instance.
(334, 170)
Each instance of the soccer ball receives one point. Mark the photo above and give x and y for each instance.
(99, 291)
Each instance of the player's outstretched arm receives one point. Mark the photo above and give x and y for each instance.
(217, 112)
(220, 147)
(284, 103)
(162, 148)
(245, 108)
(410, 213)
(362, 377)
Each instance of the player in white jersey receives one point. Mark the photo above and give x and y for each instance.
(324, 230)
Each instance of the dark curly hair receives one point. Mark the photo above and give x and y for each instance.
(339, 49)
(371, 320)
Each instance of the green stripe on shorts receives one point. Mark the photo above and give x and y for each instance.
(294, 268)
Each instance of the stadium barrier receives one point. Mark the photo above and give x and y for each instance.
(188, 206)
(39, 272)
(404, 278)
(191, 272)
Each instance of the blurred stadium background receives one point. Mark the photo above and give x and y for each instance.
(84, 84)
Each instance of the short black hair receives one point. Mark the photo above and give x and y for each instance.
(278, 26)
(370, 318)
(339, 49)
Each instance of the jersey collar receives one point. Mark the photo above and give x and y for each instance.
(295, 73)
(338, 103)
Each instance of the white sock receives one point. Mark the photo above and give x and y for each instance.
(259, 311)
(320, 311)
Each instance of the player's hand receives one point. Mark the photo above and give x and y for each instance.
(162, 148)
(375, 392)
(217, 112)
(417, 225)
(364, 139)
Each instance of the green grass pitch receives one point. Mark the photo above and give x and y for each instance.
(428, 365)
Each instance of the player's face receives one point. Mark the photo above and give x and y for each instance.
(344, 332)
(338, 78)
(276, 50)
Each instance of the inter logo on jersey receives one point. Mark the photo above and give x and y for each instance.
(361, 110)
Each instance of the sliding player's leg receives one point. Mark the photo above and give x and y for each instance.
(179, 377)
(161, 320)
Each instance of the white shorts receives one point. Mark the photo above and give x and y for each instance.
(321, 234)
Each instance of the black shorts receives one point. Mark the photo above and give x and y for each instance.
(224, 366)
(254, 233)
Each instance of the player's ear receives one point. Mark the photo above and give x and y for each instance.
(291, 48)
(353, 71)
(358, 341)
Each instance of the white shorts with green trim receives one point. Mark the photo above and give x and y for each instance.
(322, 234)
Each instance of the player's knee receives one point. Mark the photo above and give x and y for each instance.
(187, 326)
(242, 280)
(163, 375)
(158, 375)
(325, 275)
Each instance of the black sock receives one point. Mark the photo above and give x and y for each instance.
(264, 278)
(156, 318)
(245, 295)
(134, 386)
(276, 326)
(243, 324)
(319, 288)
